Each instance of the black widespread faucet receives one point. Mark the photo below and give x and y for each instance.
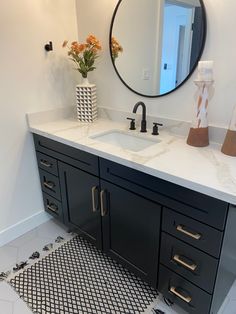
(143, 122)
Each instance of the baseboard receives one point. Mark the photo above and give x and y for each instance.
(15, 231)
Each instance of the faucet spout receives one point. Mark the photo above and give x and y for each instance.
(143, 122)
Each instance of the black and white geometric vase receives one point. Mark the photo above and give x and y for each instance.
(86, 101)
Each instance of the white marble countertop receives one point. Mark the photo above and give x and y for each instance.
(204, 170)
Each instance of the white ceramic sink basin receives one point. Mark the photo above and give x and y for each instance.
(125, 140)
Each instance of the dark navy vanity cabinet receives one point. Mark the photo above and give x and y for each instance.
(80, 202)
(176, 239)
(130, 230)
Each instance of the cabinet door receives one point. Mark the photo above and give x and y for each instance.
(80, 199)
(131, 230)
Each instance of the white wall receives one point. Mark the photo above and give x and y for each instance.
(95, 17)
(30, 80)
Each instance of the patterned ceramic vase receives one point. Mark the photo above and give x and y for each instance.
(86, 101)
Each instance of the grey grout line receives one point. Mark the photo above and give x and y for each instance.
(9, 245)
(18, 297)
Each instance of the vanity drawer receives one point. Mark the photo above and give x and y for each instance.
(192, 264)
(50, 184)
(193, 232)
(68, 154)
(47, 163)
(199, 206)
(53, 206)
(177, 289)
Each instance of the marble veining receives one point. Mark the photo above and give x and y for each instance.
(204, 170)
(222, 170)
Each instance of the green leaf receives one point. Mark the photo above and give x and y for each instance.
(91, 69)
(82, 66)
(90, 63)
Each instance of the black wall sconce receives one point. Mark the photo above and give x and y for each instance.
(48, 47)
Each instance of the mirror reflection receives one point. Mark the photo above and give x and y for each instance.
(156, 44)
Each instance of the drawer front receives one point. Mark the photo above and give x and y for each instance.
(50, 184)
(68, 154)
(201, 207)
(193, 232)
(177, 289)
(47, 163)
(192, 264)
(53, 206)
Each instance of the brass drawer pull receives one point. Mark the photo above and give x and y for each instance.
(95, 207)
(195, 236)
(45, 163)
(103, 210)
(185, 299)
(178, 259)
(49, 185)
(53, 209)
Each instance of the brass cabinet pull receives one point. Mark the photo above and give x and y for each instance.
(45, 163)
(178, 259)
(185, 299)
(103, 210)
(195, 236)
(49, 185)
(55, 210)
(95, 207)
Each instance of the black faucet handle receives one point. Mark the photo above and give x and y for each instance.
(155, 128)
(132, 123)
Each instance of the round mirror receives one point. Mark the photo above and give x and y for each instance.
(155, 45)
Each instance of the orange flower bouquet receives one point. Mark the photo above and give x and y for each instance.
(84, 54)
(116, 48)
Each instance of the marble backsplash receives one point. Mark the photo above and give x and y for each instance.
(175, 127)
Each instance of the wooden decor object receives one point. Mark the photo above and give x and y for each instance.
(229, 146)
(198, 134)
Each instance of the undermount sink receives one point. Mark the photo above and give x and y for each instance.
(132, 142)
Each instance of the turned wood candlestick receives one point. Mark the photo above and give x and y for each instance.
(198, 133)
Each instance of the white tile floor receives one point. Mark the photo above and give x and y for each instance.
(20, 250)
(229, 305)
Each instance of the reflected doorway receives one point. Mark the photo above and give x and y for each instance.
(176, 44)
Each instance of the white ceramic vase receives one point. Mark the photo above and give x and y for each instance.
(86, 101)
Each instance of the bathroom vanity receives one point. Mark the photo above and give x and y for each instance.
(177, 239)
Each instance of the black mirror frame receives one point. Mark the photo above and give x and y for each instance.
(190, 73)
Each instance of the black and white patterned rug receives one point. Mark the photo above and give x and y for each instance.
(78, 278)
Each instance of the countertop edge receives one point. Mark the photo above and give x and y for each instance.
(223, 196)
